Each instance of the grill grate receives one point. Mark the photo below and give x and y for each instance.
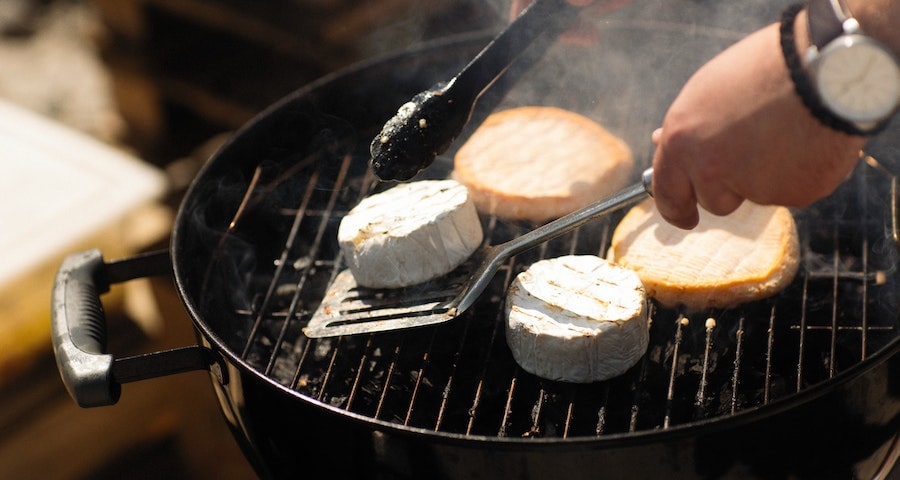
(460, 378)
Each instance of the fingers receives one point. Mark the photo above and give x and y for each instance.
(717, 199)
(678, 187)
(673, 192)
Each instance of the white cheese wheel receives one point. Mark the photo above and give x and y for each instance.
(723, 262)
(538, 163)
(410, 234)
(577, 318)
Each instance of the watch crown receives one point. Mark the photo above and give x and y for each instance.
(851, 26)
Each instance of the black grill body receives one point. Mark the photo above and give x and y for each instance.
(253, 252)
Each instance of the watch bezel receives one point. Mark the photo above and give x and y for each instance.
(816, 58)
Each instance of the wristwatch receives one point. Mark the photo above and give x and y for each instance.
(856, 77)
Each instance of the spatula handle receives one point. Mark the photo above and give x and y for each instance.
(622, 199)
(498, 254)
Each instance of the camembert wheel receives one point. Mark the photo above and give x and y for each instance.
(410, 234)
(577, 319)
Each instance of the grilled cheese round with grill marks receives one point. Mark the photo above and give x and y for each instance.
(410, 234)
(577, 318)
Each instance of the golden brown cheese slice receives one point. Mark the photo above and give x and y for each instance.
(725, 261)
(540, 163)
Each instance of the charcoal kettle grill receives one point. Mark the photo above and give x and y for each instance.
(803, 385)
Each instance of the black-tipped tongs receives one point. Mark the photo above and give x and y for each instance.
(427, 125)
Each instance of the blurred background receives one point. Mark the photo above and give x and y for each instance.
(108, 108)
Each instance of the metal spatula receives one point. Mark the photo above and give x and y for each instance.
(348, 309)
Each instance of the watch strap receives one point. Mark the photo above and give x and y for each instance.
(803, 85)
(825, 22)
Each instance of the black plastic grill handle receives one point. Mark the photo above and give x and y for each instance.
(78, 330)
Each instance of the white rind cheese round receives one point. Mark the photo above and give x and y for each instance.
(577, 318)
(410, 234)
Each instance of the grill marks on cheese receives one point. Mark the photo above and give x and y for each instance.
(410, 234)
(576, 318)
(540, 163)
(725, 261)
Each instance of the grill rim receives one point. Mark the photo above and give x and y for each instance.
(641, 437)
(712, 425)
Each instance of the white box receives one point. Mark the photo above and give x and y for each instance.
(63, 191)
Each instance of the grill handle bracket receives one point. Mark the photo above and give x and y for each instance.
(92, 376)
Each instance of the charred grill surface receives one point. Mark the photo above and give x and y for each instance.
(460, 377)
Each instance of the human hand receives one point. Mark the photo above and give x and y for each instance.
(737, 130)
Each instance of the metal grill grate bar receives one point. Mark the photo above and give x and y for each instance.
(801, 347)
(448, 386)
(388, 379)
(298, 217)
(864, 256)
(681, 323)
(736, 367)
(325, 215)
(601, 412)
(570, 410)
(420, 374)
(328, 372)
(507, 409)
(482, 376)
(701, 401)
(357, 379)
(834, 302)
(770, 347)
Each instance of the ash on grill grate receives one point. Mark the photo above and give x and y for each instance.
(460, 377)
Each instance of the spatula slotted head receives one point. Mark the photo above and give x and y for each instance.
(348, 309)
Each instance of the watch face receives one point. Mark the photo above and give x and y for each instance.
(858, 79)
